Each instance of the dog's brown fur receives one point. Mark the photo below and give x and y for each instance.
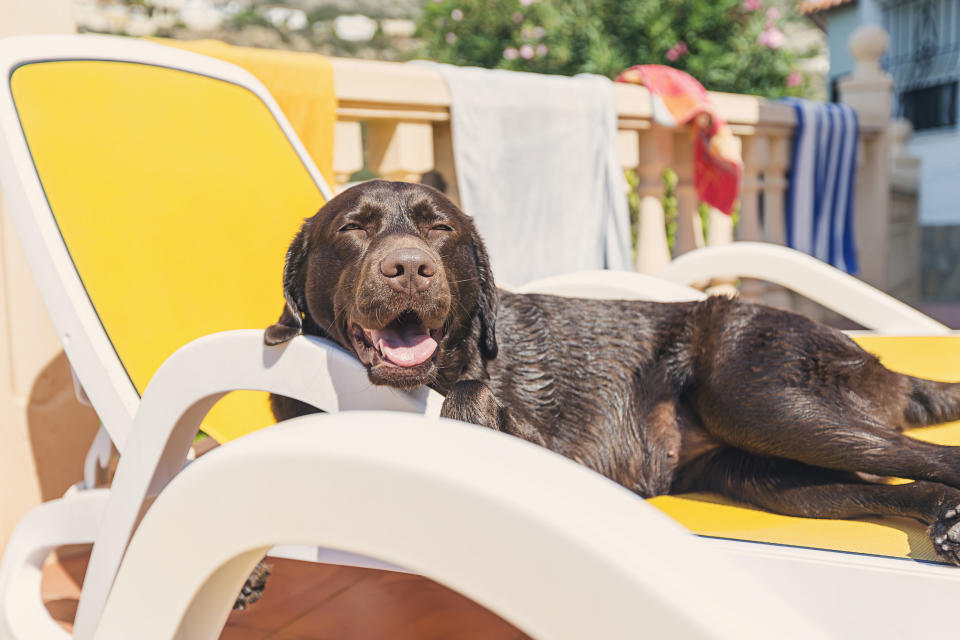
(760, 405)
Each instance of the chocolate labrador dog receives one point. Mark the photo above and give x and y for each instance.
(759, 405)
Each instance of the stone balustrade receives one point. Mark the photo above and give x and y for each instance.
(405, 132)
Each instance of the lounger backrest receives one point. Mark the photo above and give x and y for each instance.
(175, 186)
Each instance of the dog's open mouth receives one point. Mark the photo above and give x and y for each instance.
(405, 342)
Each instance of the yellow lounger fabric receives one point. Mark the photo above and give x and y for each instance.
(301, 83)
(158, 169)
(935, 357)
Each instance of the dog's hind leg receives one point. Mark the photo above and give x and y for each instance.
(797, 489)
(835, 438)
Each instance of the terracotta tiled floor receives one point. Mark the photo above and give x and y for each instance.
(306, 601)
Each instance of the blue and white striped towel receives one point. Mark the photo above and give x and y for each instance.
(822, 173)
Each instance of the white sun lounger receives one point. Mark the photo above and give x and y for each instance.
(45, 166)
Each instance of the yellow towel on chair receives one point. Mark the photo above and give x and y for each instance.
(301, 83)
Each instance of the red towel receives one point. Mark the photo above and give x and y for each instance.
(679, 99)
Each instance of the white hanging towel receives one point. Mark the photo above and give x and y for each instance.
(821, 188)
(537, 168)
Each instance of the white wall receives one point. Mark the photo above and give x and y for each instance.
(939, 150)
(21, 17)
(43, 431)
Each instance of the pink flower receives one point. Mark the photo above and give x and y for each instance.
(541, 50)
(526, 3)
(457, 15)
(539, 32)
(794, 79)
(526, 52)
(752, 5)
(771, 37)
(518, 17)
(510, 53)
(450, 38)
(773, 14)
(676, 51)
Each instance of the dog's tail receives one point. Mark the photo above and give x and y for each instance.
(932, 402)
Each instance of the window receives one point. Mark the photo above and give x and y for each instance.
(930, 107)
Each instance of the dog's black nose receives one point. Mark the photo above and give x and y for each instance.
(408, 268)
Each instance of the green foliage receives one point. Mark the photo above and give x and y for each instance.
(670, 210)
(728, 45)
(633, 206)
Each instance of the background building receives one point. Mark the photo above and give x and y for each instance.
(924, 60)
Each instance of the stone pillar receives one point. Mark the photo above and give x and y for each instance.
(869, 90)
(904, 267)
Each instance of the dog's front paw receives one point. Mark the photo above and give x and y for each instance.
(945, 534)
(253, 588)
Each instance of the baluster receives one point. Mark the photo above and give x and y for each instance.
(628, 148)
(689, 225)
(775, 188)
(628, 153)
(400, 150)
(754, 151)
(347, 151)
(443, 159)
(774, 215)
(755, 158)
(654, 153)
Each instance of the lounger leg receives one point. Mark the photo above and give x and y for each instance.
(797, 489)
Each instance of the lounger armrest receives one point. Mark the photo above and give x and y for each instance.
(610, 284)
(181, 393)
(549, 545)
(807, 276)
(73, 519)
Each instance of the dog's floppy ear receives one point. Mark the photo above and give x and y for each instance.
(487, 298)
(290, 324)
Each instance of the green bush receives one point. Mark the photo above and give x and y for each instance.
(728, 45)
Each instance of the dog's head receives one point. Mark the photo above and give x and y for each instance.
(397, 273)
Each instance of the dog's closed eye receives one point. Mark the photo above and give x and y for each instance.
(438, 230)
(351, 226)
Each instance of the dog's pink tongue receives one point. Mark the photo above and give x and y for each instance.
(405, 346)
